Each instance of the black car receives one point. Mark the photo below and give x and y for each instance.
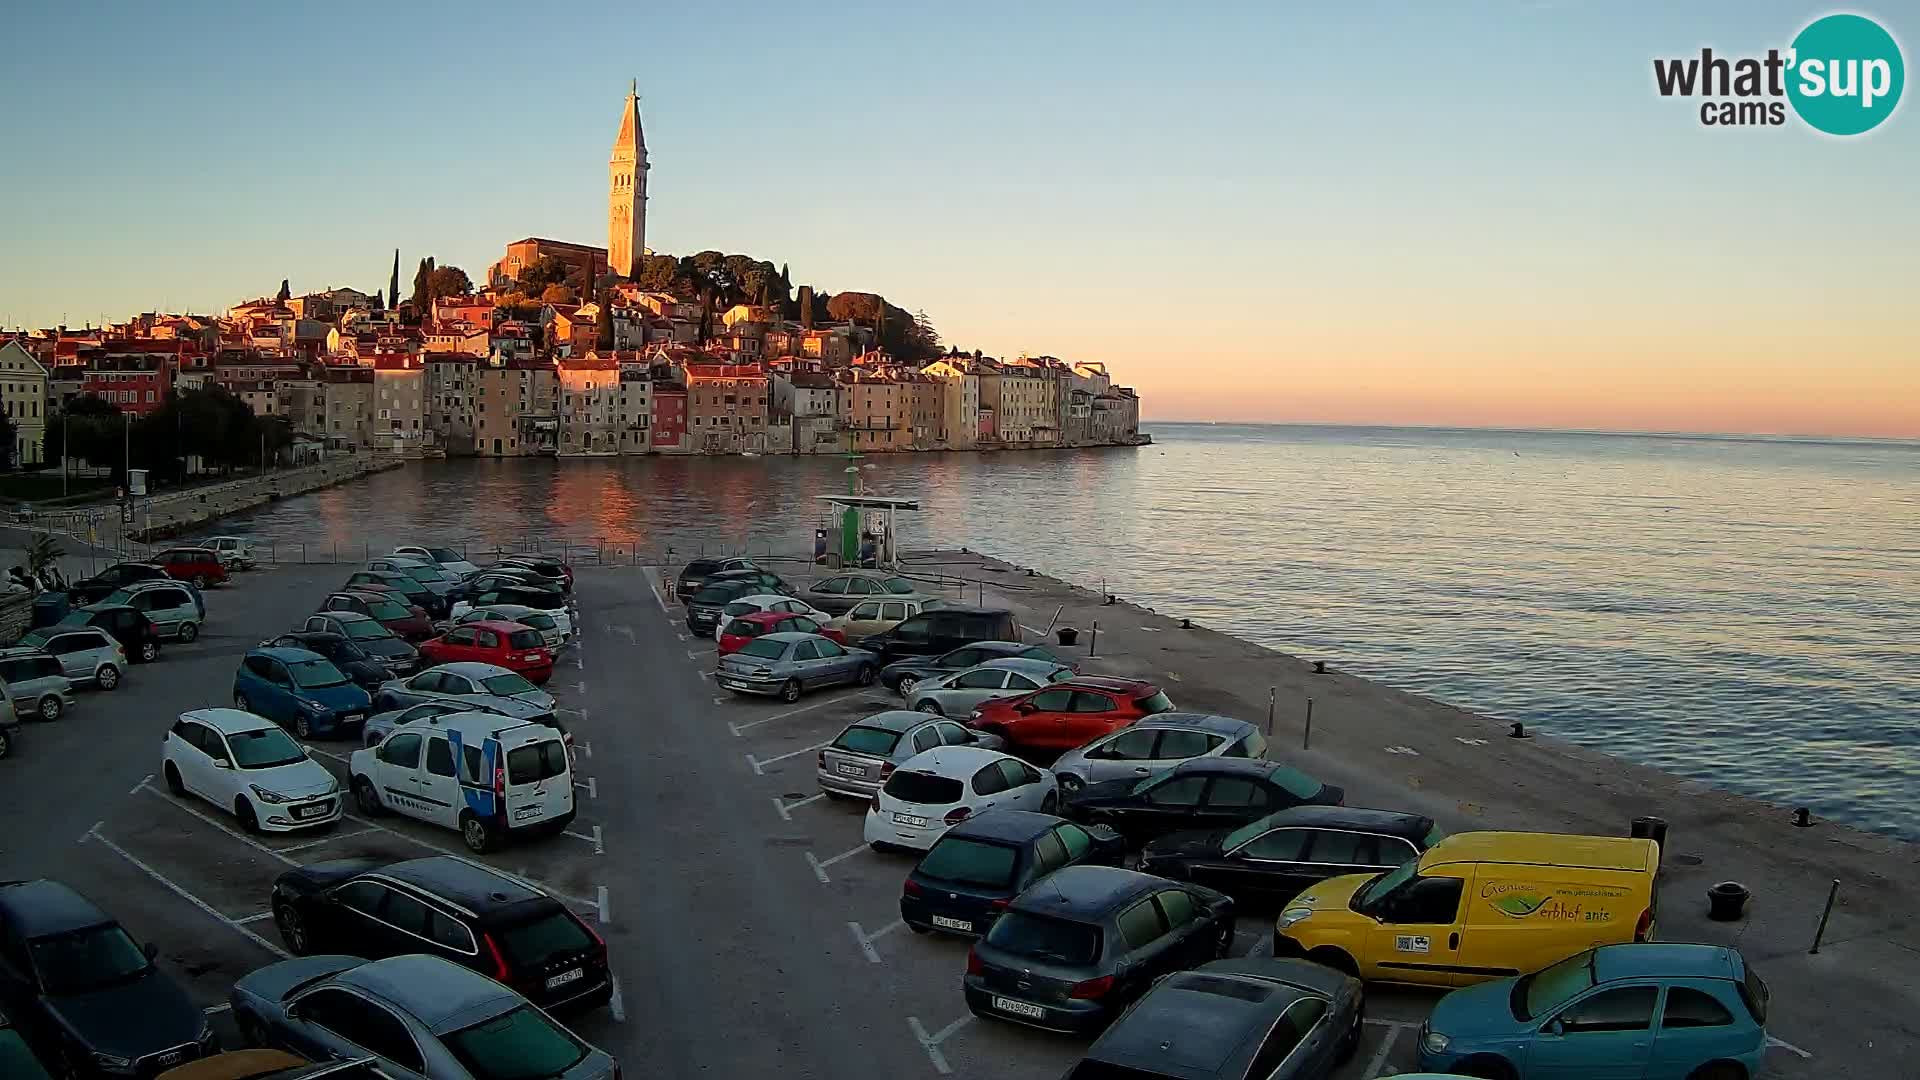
(763, 582)
(415, 591)
(500, 591)
(695, 574)
(1201, 793)
(16, 1060)
(127, 625)
(111, 580)
(365, 669)
(550, 569)
(1072, 951)
(509, 574)
(85, 995)
(706, 607)
(449, 907)
(370, 636)
(904, 673)
(941, 630)
(1270, 860)
(1249, 1019)
(977, 867)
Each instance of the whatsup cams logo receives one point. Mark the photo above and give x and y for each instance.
(1842, 75)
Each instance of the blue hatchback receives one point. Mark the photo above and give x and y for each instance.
(1651, 1010)
(299, 690)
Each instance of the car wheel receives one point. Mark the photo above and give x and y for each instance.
(6, 744)
(51, 707)
(107, 677)
(366, 798)
(1051, 803)
(243, 810)
(1225, 947)
(149, 652)
(906, 685)
(1718, 1070)
(790, 691)
(477, 833)
(302, 727)
(1337, 959)
(929, 706)
(1071, 783)
(292, 930)
(199, 581)
(189, 631)
(173, 781)
(1486, 1068)
(865, 675)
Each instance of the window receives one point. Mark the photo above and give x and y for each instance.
(1690, 1008)
(439, 757)
(1141, 924)
(1051, 700)
(402, 751)
(1627, 1008)
(1232, 793)
(1176, 791)
(365, 897)
(406, 913)
(1177, 906)
(804, 650)
(1288, 1031)
(1428, 900)
(1018, 773)
(1179, 745)
(1088, 702)
(925, 739)
(954, 735)
(984, 679)
(1352, 849)
(1132, 745)
(1074, 840)
(989, 780)
(1280, 845)
(925, 789)
(828, 650)
(367, 1026)
(537, 761)
(969, 862)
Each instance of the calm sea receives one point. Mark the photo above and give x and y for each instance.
(1741, 610)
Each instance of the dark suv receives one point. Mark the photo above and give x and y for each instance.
(86, 996)
(695, 574)
(126, 625)
(941, 630)
(446, 906)
(114, 578)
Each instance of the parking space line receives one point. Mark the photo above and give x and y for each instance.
(599, 845)
(931, 1043)
(326, 840)
(1788, 1047)
(617, 1005)
(759, 766)
(254, 918)
(242, 837)
(820, 865)
(605, 911)
(866, 940)
(463, 857)
(187, 896)
(785, 809)
(587, 746)
(144, 781)
(657, 598)
(215, 1010)
(1380, 1055)
(592, 786)
(341, 758)
(737, 729)
(719, 701)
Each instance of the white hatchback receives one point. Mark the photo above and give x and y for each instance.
(747, 605)
(937, 789)
(247, 766)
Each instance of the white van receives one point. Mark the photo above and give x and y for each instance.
(487, 775)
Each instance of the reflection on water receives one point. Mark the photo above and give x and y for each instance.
(1744, 611)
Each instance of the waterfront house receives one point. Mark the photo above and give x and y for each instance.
(958, 425)
(727, 407)
(452, 388)
(399, 419)
(875, 411)
(135, 375)
(590, 405)
(1026, 406)
(23, 395)
(516, 409)
(670, 432)
(812, 399)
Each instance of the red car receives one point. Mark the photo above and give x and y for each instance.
(195, 564)
(744, 628)
(390, 608)
(1070, 713)
(509, 645)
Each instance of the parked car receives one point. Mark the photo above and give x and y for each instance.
(703, 608)
(1072, 953)
(131, 628)
(753, 602)
(199, 565)
(764, 581)
(1069, 714)
(839, 593)
(960, 693)
(9, 732)
(418, 1015)
(272, 1065)
(549, 629)
(437, 581)
(973, 872)
(299, 690)
(473, 915)
(1274, 858)
(539, 598)
(380, 725)
(249, 768)
(870, 617)
(461, 681)
(484, 775)
(695, 573)
(1204, 793)
(939, 788)
(942, 630)
(365, 669)
(88, 657)
(389, 605)
(1155, 744)
(546, 566)
(446, 558)
(235, 552)
(174, 610)
(16, 1059)
(1246, 1019)
(367, 632)
(504, 644)
(909, 671)
(863, 756)
(785, 665)
(1655, 1010)
(94, 589)
(417, 594)
(741, 629)
(35, 684)
(84, 993)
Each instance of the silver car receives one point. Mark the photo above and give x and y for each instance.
(35, 683)
(785, 664)
(168, 605)
(234, 551)
(475, 685)
(1157, 743)
(87, 656)
(959, 693)
(437, 581)
(859, 761)
(550, 630)
(419, 1016)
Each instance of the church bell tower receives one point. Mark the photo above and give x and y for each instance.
(627, 191)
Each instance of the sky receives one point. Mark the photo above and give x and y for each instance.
(1465, 214)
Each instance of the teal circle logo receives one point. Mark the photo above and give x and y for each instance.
(1846, 74)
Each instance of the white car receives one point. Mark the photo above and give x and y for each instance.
(486, 775)
(562, 616)
(247, 766)
(939, 788)
(747, 605)
(963, 691)
(234, 552)
(445, 558)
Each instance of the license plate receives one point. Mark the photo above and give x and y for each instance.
(945, 923)
(566, 977)
(318, 810)
(909, 819)
(352, 717)
(851, 770)
(526, 812)
(1019, 1008)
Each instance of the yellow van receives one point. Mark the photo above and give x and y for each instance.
(1477, 906)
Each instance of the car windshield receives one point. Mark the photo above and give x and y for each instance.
(924, 788)
(532, 943)
(1369, 894)
(1297, 784)
(898, 586)
(525, 639)
(425, 573)
(764, 649)
(404, 585)
(506, 684)
(720, 594)
(366, 630)
(867, 740)
(1038, 937)
(445, 555)
(315, 674)
(1543, 991)
(970, 862)
(739, 608)
(518, 1045)
(85, 960)
(1155, 702)
(267, 748)
(387, 609)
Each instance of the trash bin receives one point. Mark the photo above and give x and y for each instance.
(1651, 828)
(1067, 635)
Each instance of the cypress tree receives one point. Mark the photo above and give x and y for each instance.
(393, 286)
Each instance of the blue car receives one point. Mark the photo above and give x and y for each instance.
(1650, 1010)
(301, 691)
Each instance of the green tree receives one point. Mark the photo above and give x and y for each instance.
(860, 307)
(285, 292)
(422, 298)
(657, 273)
(558, 294)
(603, 323)
(448, 281)
(393, 286)
(9, 435)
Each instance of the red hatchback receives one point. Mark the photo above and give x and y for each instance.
(509, 645)
(744, 628)
(195, 564)
(1069, 714)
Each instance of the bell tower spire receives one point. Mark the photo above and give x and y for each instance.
(627, 190)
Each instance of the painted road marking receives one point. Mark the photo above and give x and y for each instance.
(599, 846)
(254, 918)
(1788, 1047)
(760, 767)
(820, 865)
(144, 781)
(719, 701)
(738, 729)
(216, 1010)
(327, 840)
(785, 809)
(242, 837)
(601, 905)
(341, 758)
(617, 1005)
(657, 598)
(187, 896)
(592, 787)
(695, 654)
(1408, 750)
(866, 940)
(1380, 1055)
(1469, 742)
(931, 1043)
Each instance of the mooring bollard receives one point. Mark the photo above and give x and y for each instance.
(1319, 667)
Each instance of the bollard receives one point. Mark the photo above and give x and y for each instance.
(1832, 892)
(1270, 691)
(1093, 642)
(303, 552)
(1802, 818)
(1726, 900)
(1319, 667)
(1306, 737)
(1518, 731)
